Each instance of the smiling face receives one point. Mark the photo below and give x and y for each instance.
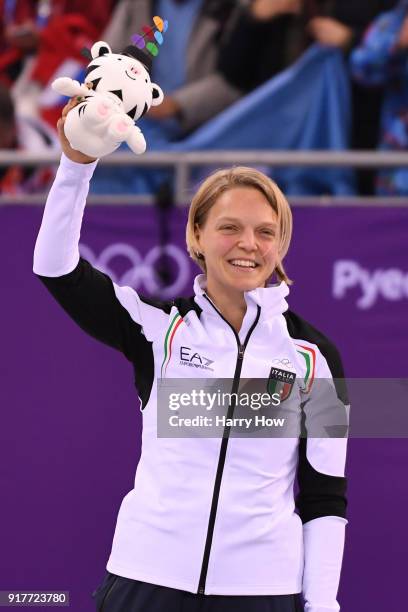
(239, 241)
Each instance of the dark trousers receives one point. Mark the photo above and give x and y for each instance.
(118, 594)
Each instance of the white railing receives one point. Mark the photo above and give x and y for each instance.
(182, 163)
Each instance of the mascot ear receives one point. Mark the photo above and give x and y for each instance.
(100, 48)
(157, 95)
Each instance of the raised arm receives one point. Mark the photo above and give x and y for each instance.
(114, 315)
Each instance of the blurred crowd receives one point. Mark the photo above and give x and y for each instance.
(215, 53)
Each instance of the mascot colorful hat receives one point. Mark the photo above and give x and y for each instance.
(117, 91)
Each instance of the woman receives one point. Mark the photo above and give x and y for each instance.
(210, 524)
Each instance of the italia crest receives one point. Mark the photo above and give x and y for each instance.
(281, 382)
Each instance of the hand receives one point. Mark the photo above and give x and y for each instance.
(403, 37)
(268, 9)
(166, 110)
(331, 32)
(71, 153)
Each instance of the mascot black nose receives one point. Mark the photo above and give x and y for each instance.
(132, 51)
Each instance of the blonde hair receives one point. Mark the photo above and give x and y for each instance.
(224, 180)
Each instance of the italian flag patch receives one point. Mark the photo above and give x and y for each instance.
(309, 355)
(168, 341)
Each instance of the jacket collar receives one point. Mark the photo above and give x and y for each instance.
(271, 299)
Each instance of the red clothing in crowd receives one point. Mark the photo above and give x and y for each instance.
(62, 32)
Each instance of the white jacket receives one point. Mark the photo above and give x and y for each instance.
(208, 514)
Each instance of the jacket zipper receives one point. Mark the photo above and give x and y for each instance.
(223, 450)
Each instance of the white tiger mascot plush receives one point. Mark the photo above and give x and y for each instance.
(117, 91)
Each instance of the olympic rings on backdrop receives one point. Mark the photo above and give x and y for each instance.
(142, 270)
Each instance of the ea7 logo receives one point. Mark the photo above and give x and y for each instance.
(194, 360)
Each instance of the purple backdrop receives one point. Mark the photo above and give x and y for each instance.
(70, 424)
